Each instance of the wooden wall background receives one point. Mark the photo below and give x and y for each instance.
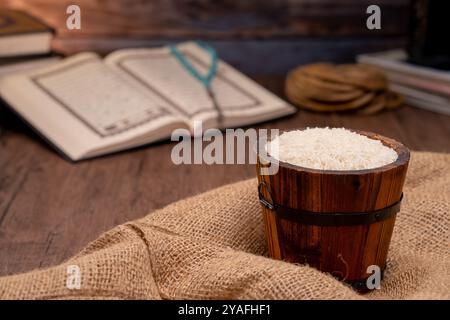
(257, 36)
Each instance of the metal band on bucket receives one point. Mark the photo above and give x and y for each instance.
(326, 218)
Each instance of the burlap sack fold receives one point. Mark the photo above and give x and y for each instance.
(212, 246)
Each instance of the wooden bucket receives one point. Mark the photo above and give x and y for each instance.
(339, 222)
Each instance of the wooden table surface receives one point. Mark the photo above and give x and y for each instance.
(51, 208)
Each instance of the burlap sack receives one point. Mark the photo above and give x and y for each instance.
(212, 246)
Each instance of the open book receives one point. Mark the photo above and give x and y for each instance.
(87, 106)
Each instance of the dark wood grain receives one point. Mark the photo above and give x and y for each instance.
(344, 251)
(50, 208)
(219, 19)
(246, 34)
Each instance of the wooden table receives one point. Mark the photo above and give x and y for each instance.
(51, 208)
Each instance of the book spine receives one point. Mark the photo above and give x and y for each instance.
(405, 68)
(431, 86)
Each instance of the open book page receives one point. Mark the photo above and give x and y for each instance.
(240, 99)
(85, 108)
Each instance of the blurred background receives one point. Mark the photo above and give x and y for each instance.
(256, 36)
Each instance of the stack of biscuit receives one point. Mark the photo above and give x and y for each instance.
(326, 87)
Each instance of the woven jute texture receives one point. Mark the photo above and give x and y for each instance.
(212, 246)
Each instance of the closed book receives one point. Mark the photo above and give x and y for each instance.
(23, 35)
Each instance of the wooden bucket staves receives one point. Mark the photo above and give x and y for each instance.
(339, 222)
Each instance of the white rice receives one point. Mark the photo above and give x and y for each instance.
(330, 149)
